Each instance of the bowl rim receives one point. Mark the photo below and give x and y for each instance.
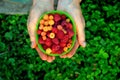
(74, 30)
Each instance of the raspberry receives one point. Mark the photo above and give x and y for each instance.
(52, 35)
(42, 21)
(68, 20)
(69, 25)
(60, 34)
(70, 41)
(51, 22)
(55, 41)
(48, 42)
(39, 32)
(57, 17)
(55, 48)
(59, 51)
(70, 33)
(48, 50)
(43, 33)
(49, 28)
(65, 39)
(44, 37)
(45, 17)
(59, 27)
(45, 47)
(46, 23)
(45, 29)
(54, 30)
(63, 17)
(62, 44)
(51, 17)
(41, 41)
(64, 23)
(65, 49)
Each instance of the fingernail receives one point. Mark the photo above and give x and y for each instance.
(83, 44)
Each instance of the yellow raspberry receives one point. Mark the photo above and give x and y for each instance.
(52, 35)
(42, 21)
(68, 20)
(44, 37)
(45, 29)
(51, 17)
(43, 33)
(41, 27)
(45, 17)
(46, 23)
(49, 28)
(69, 45)
(59, 27)
(48, 50)
(51, 22)
(65, 49)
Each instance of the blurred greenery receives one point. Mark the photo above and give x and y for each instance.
(100, 60)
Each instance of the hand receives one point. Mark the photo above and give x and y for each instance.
(73, 7)
(39, 7)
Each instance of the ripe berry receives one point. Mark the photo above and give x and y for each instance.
(39, 32)
(51, 17)
(59, 27)
(62, 44)
(41, 41)
(60, 34)
(54, 30)
(51, 22)
(52, 35)
(48, 42)
(57, 17)
(55, 41)
(42, 22)
(45, 17)
(48, 50)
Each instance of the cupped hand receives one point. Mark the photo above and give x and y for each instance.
(39, 7)
(73, 8)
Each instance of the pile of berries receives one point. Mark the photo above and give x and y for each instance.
(55, 33)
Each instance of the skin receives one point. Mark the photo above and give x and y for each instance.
(41, 6)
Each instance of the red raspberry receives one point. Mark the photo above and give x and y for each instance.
(69, 25)
(64, 23)
(45, 47)
(39, 32)
(54, 30)
(62, 44)
(41, 41)
(55, 48)
(57, 17)
(70, 33)
(65, 39)
(48, 42)
(63, 17)
(60, 34)
(55, 41)
(59, 51)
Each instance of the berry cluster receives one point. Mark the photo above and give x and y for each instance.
(55, 33)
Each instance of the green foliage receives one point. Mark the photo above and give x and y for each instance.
(100, 60)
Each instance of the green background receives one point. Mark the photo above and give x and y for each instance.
(100, 60)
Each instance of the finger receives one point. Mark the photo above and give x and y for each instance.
(80, 25)
(53, 58)
(42, 55)
(64, 56)
(72, 52)
(49, 59)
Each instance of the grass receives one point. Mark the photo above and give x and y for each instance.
(100, 60)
